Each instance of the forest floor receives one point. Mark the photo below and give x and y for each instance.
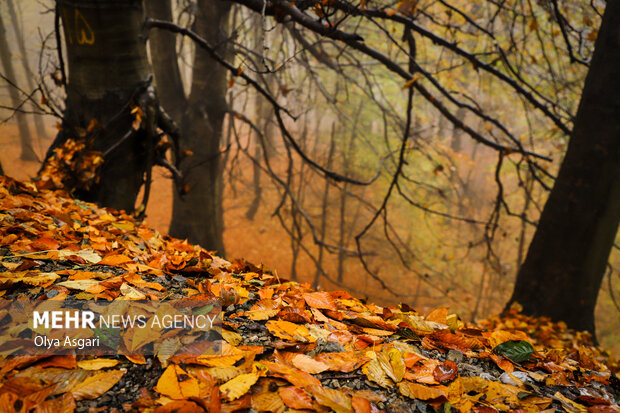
(284, 346)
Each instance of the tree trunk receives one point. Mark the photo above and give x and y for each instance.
(164, 59)
(565, 264)
(27, 153)
(108, 69)
(19, 36)
(197, 215)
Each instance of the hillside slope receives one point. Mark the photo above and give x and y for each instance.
(284, 346)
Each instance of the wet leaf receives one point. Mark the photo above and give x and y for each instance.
(517, 351)
(445, 371)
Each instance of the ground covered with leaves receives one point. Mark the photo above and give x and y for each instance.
(285, 347)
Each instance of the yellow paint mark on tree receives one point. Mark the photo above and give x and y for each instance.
(84, 33)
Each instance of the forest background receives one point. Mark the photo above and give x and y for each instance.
(445, 254)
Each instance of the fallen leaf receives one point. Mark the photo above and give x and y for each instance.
(421, 391)
(96, 385)
(96, 364)
(308, 364)
(445, 371)
(238, 386)
(295, 397)
(177, 384)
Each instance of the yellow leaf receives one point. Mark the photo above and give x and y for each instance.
(231, 337)
(177, 384)
(96, 364)
(96, 385)
(392, 363)
(375, 373)
(238, 386)
(411, 81)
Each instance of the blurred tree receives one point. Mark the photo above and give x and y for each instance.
(23, 54)
(197, 209)
(27, 150)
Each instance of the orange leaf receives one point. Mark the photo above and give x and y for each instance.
(420, 391)
(345, 361)
(289, 331)
(321, 300)
(308, 364)
(423, 373)
(180, 406)
(361, 405)
(45, 243)
(295, 398)
(438, 315)
(291, 374)
(115, 260)
(503, 363)
(177, 384)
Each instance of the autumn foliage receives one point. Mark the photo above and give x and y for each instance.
(285, 347)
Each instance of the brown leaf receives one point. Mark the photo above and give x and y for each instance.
(445, 371)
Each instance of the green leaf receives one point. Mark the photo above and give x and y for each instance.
(109, 336)
(203, 310)
(517, 351)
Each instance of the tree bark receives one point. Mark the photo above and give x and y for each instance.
(108, 67)
(566, 260)
(197, 215)
(27, 151)
(164, 59)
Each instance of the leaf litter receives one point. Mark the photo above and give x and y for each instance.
(286, 348)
